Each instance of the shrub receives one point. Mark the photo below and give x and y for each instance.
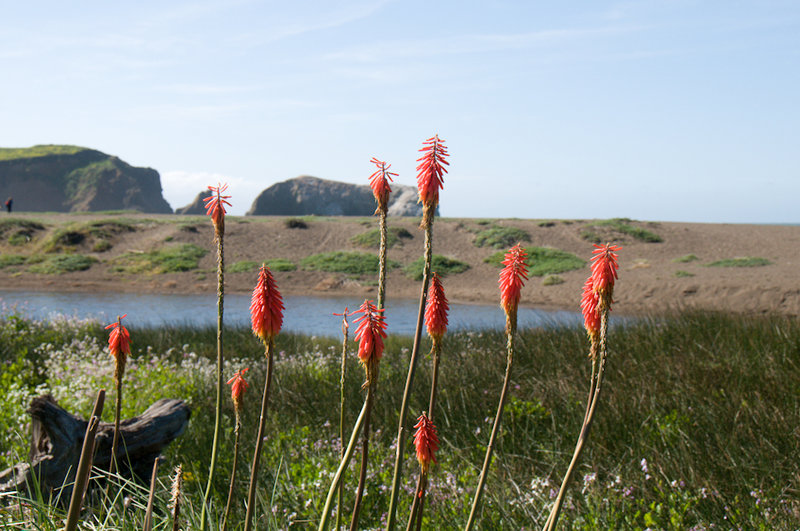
(440, 264)
(372, 238)
(101, 246)
(621, 226)
(546, 224)
(543, 261)
(683, 274)
(552, 280)
(62, 263)
(295, 223)
(344, 262)
(8, 260)
(685, 259)
(277, 264)
(501, 237)
(745, 261)
(171, 259)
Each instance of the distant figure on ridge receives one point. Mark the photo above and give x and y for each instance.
(9, 204)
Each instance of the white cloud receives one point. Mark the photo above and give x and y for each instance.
(181, 188)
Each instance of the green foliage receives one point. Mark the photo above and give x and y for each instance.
(10, 260)
(543, 261)
(552, 280)
(42, 150)
(61, 263)
(169, 259)
(745, 261)
(546, 224)
(501, 237)
(440, 264)
(620, 226)
(683, 274)
(98, 233)
(372, 238)
(19, 231)
(685, 259)
(344, 262)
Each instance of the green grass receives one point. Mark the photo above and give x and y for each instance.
(439, 264)
(552, 280)
(276, 264)
(620, 226)
(745, 261)
(708, 403)
(351, 263)
(372, 238)
(19, 231)
(42, 150)
(543, 261)
(683, 274)
(60, 264)
(685, 259)
(10, 260)
(169, 259)
(501, 237)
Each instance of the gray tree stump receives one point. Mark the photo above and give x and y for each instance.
(57, 437)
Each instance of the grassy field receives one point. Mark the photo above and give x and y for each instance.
(697, 427)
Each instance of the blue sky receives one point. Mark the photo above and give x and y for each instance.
(660, 110)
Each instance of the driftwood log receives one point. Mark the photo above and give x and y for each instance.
(57, 437)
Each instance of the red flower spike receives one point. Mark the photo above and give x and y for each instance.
(512, 278)
(119, 340)
(215, 204)
(589, 307)
(426, 441)
(370, 333)
(436, 309)
(604, 268)
(430, 170)
(379, 182)
(238, 387)
(266, 306)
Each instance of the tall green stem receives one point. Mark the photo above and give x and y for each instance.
(251, 493)
(412, 366)
(362, 477)
(495, 429)
(84, 464)
(337, 478)
(340, 496)
(220, 237)
(587, 423)
(236, 431)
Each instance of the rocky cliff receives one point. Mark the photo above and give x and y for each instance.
(75, 179)
(307, 195)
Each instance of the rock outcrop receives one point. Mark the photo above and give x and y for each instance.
(75, 179)
(196, 207)
(307, 195)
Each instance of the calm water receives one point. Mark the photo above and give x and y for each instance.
(309, 315)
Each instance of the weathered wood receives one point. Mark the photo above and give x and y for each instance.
(57, 437)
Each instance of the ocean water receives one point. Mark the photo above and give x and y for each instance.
(305, 314)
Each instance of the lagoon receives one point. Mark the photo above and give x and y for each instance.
(304, 314)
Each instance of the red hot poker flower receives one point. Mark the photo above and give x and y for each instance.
(436, 310)
(430, 170)
(238, 387)
(266, 306)
(604, 269)
(589, 307)
(426, 441)
(119, 340)
(370, 333)
(379, 182)
(512, 278)
(215, 205)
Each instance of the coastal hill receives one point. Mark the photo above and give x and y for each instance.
(59, 178)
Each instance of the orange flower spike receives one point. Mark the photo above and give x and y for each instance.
(266, 307)
(119, 340)
(589, 307)
(426, 441)
(215, 206)
(370, 333)
(238, 387)
(512, 278)
(436, 310)
(604, 269)
(379, 182)
(430, 170)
